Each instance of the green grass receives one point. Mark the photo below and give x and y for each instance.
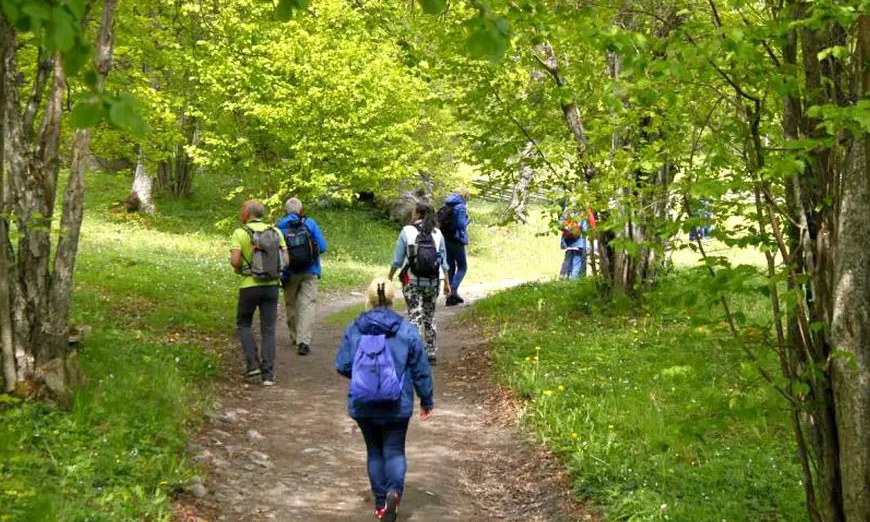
(657, 417)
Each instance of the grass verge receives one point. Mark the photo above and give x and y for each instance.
(656, 416)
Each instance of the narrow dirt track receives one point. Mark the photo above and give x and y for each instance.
(291, 453)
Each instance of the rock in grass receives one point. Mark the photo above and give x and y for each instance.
(198, 490)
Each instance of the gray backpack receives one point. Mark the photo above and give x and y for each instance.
(265, 263)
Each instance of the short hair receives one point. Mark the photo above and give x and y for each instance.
(464, 192)
(381, 292)
(254, 208)
(293, 206)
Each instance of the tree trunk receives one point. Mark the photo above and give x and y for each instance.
(43, 362)
(142, 187)
(176, 174)
(516, 209)
(7, 351)
(850, 327)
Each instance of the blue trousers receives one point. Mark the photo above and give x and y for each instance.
(458, 263)
(574, 265)
(385, 444)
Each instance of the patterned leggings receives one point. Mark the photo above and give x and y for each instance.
(421, 312)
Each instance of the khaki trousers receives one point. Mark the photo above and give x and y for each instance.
(300, 298)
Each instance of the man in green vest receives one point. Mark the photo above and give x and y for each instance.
(258, 252)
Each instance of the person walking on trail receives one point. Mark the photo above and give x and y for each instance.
(258, 254)
(300, 277)
(385, 360)
(453, 222)
(421, 254)
(575, 225)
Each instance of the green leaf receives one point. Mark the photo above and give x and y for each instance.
(433, 7)
(86, 114)
(77, 8)
(285, 8)
(63, 30)
(124, 114)
(488, 38)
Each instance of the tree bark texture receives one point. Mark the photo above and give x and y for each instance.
(850, 326)
(35, 322)
(143, 185)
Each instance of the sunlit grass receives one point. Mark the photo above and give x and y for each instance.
(657, 414)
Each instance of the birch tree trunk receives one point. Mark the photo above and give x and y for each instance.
(850, 327)
(143, 186)
(7, 351)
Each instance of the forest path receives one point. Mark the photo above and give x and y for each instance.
(290, 452)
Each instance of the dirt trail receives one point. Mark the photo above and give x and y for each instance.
(291, 453)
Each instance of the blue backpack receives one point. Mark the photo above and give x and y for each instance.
(373, 374)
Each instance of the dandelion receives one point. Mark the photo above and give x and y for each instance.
(575, 436)
(561, 388)
(537, 348)
(610, 427)
(528, 359)
(548, 392)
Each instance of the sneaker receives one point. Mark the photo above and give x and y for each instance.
(451, 300)
(391, 510)
(432, 359)
(460, 300)
(268, 382)
(303, 349)
(250, 374)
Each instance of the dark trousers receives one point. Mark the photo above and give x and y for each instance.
(264, 298)
(385, 445)
(458, 264)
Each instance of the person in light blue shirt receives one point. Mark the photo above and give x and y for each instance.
(300, 280)
(421, 293)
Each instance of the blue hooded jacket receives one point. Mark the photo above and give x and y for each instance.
(409, 356)
(460, 218)
(283, 225)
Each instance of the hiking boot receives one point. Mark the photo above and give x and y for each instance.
(451, 300)
(303, 349)
(459, 299)
(432, 358)
(391, 510)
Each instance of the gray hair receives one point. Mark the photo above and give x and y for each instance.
(254, 208)
(293, 206)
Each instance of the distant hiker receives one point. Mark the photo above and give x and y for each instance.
(384, 358)
(421, 254)
(574, 226)
(305, 243)
(258, 254)
(453, 222)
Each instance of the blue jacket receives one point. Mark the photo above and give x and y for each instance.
(460, 218)
(284, 224)
(409, 356)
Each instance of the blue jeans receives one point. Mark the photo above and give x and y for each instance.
(458, 264)
(385, 444)
(574, 265)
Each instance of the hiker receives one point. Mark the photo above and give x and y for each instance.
(453, 222)
(384, 358)
(574, 226)
(257, 253)
(305, 243)
(421, 254)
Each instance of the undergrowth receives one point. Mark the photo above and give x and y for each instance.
(656, 415)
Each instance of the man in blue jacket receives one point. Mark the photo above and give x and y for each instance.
(301, 275)
(457, 239)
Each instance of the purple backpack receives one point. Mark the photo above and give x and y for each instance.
(373, 375)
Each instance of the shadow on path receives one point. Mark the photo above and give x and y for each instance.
(290, 452)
